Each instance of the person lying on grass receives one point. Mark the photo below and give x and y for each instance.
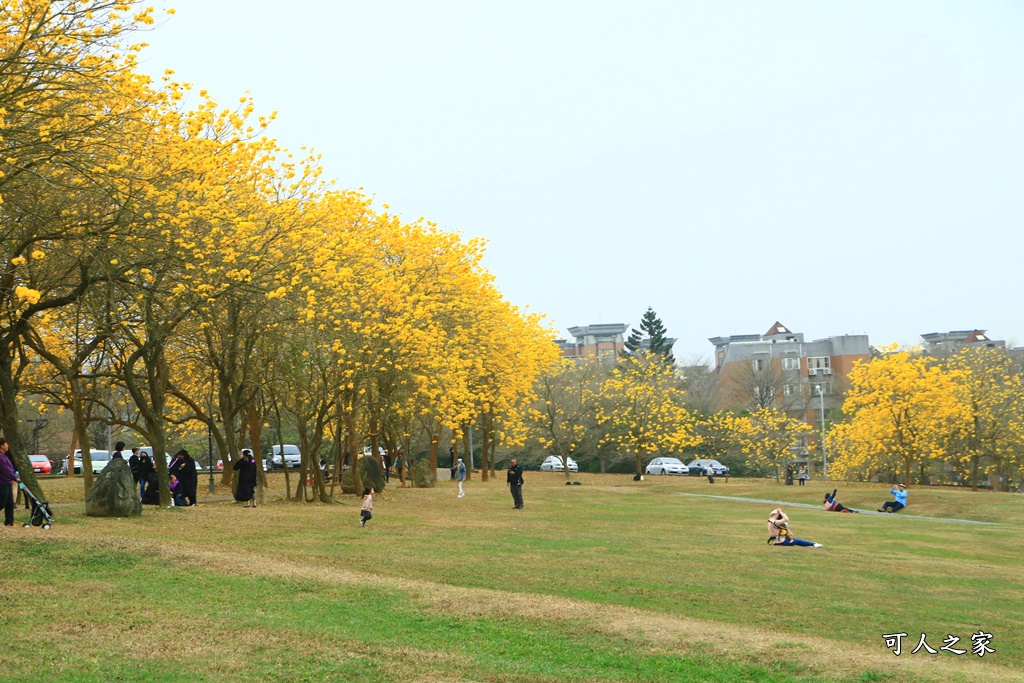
(833, 505)
(778, 528)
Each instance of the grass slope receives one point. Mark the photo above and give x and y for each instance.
(609, 581)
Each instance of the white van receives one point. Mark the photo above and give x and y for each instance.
(292, 458)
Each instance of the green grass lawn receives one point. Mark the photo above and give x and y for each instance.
(609, 581)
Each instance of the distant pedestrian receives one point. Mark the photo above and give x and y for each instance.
(387, 467)
(146, 471)
(515, 483)
(366, 512)
(8, 477)
(900, 493)
(133, 465)
(710, 472)
(184, 467)
(400, 466)
(245, 489)
(460, 475)
(802, 476)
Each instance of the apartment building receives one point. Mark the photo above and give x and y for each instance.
(782, 370)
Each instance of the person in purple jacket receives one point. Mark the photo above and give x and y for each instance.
(8, 477)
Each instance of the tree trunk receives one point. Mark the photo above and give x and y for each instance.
(466, 451)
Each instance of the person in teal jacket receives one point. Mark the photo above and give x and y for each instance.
(900, 492)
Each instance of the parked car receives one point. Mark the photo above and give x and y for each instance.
(41, 464)
(697, 467)
(553, 463)
(667, 466)
(292, 458)
(99, 460)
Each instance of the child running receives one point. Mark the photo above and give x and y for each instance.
(366, 513)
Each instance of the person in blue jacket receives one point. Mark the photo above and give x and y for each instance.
(900, 492)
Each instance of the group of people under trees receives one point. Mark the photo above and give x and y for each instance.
(778, 521)
(181, 470)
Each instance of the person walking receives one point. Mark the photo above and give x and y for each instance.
(515, 483)
(8, 477)
(146, 472)
(245, 490)
(133, 465)
(400, 466)
(387, 467)
(802, 476)
(460, 476)
(900, 492)
(184, 467)
(366, 512)
(710, 472)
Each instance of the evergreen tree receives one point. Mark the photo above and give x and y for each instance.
(653, 331)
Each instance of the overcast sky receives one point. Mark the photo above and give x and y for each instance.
(840, 167)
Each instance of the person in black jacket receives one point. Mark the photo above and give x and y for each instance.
(133, 465)
(245, 491)
(146, 472)
(515, 483)
(184, 467)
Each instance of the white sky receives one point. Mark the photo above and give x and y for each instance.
(843, 168)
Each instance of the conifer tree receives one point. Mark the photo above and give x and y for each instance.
(652, 329)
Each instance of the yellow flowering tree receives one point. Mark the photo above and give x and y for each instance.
(768, 436)
(901, 410)
(641, 409)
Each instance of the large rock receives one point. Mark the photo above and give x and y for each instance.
(423, 475)
(372, 474)
(114, 493)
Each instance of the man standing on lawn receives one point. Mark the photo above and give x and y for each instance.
(515, 483)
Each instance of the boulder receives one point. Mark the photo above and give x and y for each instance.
(423, 475)
(372, 474)
(114, 493)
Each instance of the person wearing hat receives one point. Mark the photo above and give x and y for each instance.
(460, 476)
(900, 492)
(245, 490)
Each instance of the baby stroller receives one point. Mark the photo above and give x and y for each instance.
(40, 510)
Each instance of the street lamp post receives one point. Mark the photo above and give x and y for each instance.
(824, 453)
(209, 458)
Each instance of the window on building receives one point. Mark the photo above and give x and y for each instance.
(790, 363)
(819, 362)
(825, 388)
(760, 364)
(791, 389)
(764, 395)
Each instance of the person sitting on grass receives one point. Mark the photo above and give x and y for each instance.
(833, 505)
(778, 528)
(900, 492)
(177, 492)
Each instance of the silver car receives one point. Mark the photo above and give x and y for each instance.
(553, 463)
(667, 466)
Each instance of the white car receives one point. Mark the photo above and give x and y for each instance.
(553, 463)
(667, 466)
(292, 458)
(99, 461)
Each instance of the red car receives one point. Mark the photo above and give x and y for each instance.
(40, 464)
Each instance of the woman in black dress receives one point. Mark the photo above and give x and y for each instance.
(245, 492)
